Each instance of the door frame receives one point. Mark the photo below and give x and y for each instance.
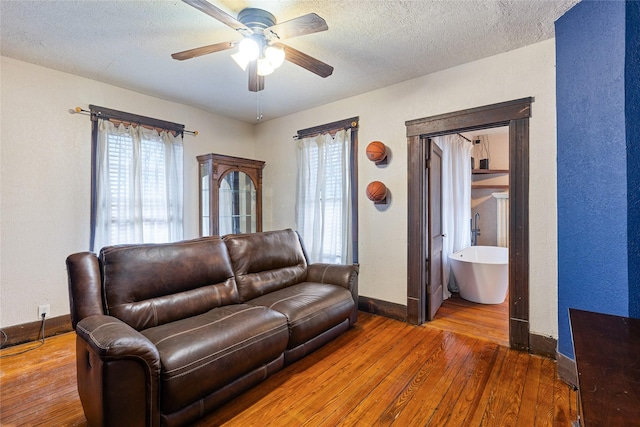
(514, 114)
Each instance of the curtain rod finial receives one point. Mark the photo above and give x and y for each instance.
(77, 110)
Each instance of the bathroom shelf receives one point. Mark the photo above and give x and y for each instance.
(498, 186)
(488, 171)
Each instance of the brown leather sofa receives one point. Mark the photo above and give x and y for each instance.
(168, 332)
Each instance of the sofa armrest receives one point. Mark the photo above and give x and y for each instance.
(336, 274)
(85, 286)
(118, 373)
(111, 338)
(340, 275)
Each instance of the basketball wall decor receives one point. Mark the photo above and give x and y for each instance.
(377, 152)
(377, 192)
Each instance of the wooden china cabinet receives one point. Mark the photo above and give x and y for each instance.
(230, 194)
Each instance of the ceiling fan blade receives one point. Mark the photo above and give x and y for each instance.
(219, 14)
(204, 50)
(305, 61)
(305, 24)
(256, 82)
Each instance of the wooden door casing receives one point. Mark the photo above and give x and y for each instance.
(514, 114)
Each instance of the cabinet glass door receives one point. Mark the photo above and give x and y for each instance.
(237, 204)
(205, 202)
(230, 194)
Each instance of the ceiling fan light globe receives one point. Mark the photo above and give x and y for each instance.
(274, 55)
(249, 49)
(240, 60)
(264, 67)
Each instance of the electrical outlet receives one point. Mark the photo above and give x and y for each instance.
(44, 309)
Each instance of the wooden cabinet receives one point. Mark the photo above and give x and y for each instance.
(606, 349)
(230, 194)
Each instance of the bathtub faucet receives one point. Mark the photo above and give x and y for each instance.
(475, 231)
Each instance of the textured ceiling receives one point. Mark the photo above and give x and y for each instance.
(371, 44)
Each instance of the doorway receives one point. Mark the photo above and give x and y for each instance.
(514, 114)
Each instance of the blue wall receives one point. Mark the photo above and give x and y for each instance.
(598, 160)
(632, 79)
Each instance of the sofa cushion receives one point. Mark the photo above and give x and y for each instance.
(310, 308)
(266, 262)
(203, 353)
(150, 284)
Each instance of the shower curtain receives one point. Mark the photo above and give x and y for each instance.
(456, 201)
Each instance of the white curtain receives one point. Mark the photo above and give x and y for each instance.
(456, 200)
(139, 186)
(323, 203)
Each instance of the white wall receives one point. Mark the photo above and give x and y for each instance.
(45, 175)
(525, 72)
(45, 170)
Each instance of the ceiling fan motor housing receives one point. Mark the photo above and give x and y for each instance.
(256, 19)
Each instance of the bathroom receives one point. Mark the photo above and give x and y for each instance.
(488, 181)
(489, 227)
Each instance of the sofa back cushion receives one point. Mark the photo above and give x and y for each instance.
(266, 262)
(151, 284)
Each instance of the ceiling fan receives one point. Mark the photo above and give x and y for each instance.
(260, 49)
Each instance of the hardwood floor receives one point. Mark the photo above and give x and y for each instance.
(488, 321)
(381, 372)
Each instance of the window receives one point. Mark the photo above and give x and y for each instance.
(326, 209)
(137, 187)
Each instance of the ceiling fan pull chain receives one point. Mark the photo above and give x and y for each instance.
(259, 106)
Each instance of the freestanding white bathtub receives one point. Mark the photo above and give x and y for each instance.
(482, 273)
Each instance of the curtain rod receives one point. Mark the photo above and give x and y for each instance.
(100, 115)
(351, 123)
(462, 136)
